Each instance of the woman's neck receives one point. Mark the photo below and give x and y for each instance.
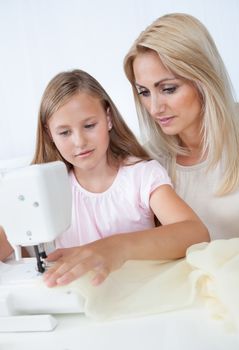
(192, 158)
(194, 147)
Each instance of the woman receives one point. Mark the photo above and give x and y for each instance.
(188, 117)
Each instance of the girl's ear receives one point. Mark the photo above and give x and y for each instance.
(109, 119)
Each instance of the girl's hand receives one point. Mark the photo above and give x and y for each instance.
(101, 257)
(5, 248)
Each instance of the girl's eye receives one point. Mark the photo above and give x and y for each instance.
(65, 133)
(170, 90)
(90, 126)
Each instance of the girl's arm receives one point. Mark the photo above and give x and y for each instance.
(5, 247)
(180, 229)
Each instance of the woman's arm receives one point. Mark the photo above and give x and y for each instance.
(5, 247)
(180, 229)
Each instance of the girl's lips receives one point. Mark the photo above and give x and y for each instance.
(84, 154)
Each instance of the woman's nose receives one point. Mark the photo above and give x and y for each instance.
(157, 105)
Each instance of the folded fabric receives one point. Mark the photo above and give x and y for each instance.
(138, 288)
(218, 263)
(208, 274)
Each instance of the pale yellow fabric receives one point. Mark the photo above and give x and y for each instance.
(218, 264)
(209, 274)
(138, 288)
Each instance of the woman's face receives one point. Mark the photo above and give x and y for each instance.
(172, 102)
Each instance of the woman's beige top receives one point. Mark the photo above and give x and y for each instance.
(197, 187)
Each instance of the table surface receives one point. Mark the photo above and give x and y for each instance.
(190, 329)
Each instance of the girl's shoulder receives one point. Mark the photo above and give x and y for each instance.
(142, 177)
(137, 165)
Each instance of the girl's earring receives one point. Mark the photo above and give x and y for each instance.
(109, 119)
(109, 125)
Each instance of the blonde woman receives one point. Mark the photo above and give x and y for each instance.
(188, 116)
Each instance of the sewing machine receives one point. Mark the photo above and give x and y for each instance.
(35, 207)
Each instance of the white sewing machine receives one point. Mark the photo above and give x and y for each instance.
(35, 207)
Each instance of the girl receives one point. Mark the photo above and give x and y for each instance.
(116, 188)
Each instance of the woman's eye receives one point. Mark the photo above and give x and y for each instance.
(170, 90)
(143, 93)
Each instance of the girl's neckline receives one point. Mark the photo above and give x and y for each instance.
(96, 194)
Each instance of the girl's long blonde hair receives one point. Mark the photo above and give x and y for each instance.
(186, 48)
(60, 89)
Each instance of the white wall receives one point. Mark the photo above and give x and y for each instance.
(39, 38)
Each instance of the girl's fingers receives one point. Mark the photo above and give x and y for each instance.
(72, 263)
(67, 278)
(73, 274)
(64, 272)
(57, 254)
(100, 276)
(50, 277)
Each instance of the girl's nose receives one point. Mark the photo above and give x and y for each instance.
(79, 140)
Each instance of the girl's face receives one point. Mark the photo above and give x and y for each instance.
(173, 103)
(80, 131)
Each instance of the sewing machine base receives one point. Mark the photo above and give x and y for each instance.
(29, 323)
(26, 303)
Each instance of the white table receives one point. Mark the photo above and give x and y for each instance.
(181, 330)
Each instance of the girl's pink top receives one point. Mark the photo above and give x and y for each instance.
(123, 207)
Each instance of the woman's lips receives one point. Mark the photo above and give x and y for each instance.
(165, 121)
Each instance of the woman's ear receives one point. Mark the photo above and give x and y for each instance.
(109, 119)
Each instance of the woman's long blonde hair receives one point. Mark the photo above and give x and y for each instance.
(186, 48)
(60, 89)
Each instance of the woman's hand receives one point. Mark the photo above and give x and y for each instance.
(101, 257)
